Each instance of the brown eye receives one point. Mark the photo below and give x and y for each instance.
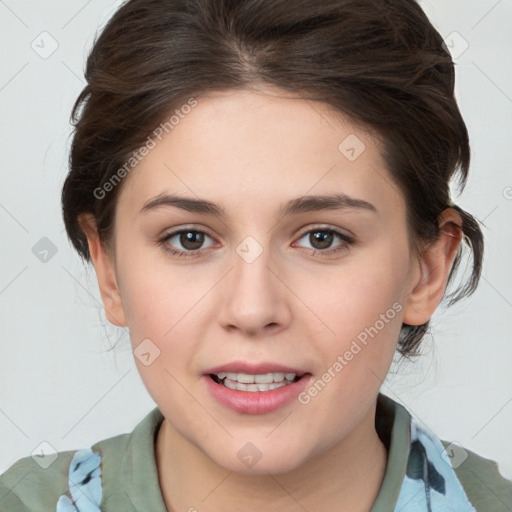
(191, 240)
(185, 242)
(321, 239)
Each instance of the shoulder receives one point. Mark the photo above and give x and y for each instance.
(34, 485)
(28, 485)
(485, 487)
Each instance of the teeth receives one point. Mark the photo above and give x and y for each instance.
(229, 384)
(253, 387)
(267, 378)
(245, 379)
(260, 382)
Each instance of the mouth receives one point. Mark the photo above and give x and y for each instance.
(255, 389)
(250, 387)
(261, 382)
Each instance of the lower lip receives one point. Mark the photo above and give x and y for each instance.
(256, 402)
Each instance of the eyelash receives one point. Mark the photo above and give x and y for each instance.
(347, 241)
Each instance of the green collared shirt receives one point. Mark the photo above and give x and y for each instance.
(130, 478)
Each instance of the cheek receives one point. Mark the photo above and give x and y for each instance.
(155, 296)
(353, 296)
(160, 307)
(360, 305)
(164, 307)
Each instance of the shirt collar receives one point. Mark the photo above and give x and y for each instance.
(392, 422)
(139, 474)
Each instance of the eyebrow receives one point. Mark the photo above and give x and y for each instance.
(299, 205)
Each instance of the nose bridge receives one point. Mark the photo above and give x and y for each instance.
(254, 296)
(251, 275)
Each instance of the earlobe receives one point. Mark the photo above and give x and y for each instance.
(105, 272)
(432, 269)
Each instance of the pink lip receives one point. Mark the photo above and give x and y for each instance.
(257, 402)
(254, 369)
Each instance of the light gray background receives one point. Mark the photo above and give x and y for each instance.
(58, 382)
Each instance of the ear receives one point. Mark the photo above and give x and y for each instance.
(432, 269)
(105, 272)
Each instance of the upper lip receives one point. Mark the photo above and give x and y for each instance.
(254, 368)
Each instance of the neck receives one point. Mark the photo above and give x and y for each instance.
(346, 477)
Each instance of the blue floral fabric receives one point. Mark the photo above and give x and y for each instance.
(84, 482)
(430, 483)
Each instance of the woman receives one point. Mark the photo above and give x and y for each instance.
(263, 190)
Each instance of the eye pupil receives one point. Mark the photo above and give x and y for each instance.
(325, 238)
(191, 239)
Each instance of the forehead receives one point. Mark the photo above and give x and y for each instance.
(262, 148)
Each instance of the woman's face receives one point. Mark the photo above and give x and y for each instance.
(264, 282)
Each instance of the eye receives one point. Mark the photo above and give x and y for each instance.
(321, 240)
(191, 240)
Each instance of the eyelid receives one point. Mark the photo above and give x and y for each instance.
(188, 227)
(326, 227)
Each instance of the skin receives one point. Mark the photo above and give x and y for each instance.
(250, 152)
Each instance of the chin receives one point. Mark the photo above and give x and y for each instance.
(251, 461)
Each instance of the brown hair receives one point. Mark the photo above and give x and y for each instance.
(380, 62)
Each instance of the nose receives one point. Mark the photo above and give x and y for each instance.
(254, 299)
